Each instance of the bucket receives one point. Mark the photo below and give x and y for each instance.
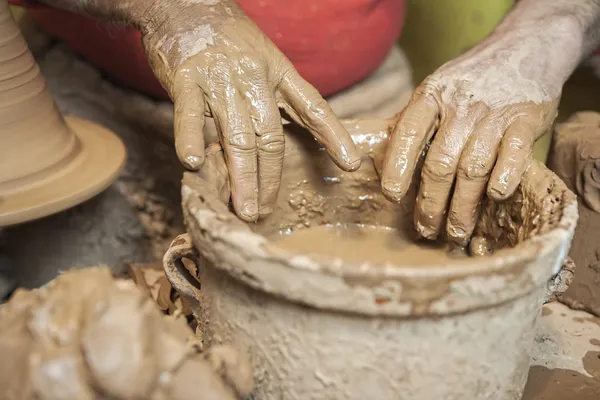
(319, 327)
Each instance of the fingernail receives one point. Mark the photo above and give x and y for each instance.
(250, 211)
(265, 210)
(425, 231)
(393, 190)
(457, 234)
(354, 165)
(193, 162)
(497, 193)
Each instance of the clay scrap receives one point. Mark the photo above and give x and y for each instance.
(152, 281)
(575, 158)
(88, 336)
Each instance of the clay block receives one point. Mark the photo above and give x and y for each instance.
(575, 158)
(87, 335)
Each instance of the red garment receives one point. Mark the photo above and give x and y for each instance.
(332, 43)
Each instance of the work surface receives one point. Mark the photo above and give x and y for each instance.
(566, 356)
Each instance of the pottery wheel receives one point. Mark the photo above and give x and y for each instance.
(91, 168)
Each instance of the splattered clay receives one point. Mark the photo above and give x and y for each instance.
(560, 384)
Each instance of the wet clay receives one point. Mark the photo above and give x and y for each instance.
(377, 245)
(49, 164)
(214, 61)
(89, 336)
(575, 157)
(560, 384)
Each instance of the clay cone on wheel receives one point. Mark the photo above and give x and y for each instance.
(47, 162)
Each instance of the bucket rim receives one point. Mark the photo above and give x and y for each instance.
(228, 244)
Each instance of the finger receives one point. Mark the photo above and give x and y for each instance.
(214, 171)
(415, 127)
(306, 106)
(474, 169)
(270, 144)
(239, 145)
(513, 158)
(189, 124)
(438, 173)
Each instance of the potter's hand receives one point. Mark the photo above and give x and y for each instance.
(482, 113)
(215, 62)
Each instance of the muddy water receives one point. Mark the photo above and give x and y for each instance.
(365, 243)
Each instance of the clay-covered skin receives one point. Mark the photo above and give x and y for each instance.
(480, 114)
(88, 336)
(214, 61)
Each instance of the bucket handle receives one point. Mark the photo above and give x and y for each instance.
(180, 277)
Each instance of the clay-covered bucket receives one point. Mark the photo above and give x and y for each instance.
(321, 328)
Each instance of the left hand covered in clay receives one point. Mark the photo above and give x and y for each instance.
(479, 116)
(215, 62)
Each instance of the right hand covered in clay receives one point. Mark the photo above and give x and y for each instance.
(215, 62)
(478, 116)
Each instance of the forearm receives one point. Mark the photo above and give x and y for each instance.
(130, 12)
(149, 15)
(558, 34)
(579, 19)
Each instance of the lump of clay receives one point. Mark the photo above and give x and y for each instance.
(88, 336)
(575, 158)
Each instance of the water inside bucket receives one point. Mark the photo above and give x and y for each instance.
(359, 243)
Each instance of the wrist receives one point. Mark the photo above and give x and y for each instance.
(561, 32)
(546, 51)
(175, 15)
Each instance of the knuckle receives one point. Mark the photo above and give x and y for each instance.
(243, 141)
(429, 86)
(515, 142)
(219, 69)
(273, 143)
(439, 167)
(317, 106)
(474, 168)
(408, 125)
(252, 62)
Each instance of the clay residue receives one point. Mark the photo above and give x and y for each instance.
(546, 311)
(87, 336)
(559, 283)
(575, 157)
(560, 384)
(153, 282)
(591, 363)
(535, 208)
(581, 320)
